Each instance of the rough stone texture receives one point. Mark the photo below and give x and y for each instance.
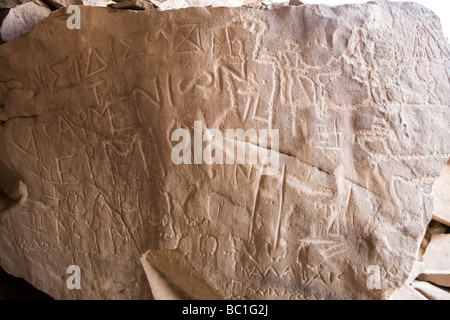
(436, 260)
(441, 193)
(178, 4)
(12, 3)
(417, 269)
(22, 19)
(86, 176)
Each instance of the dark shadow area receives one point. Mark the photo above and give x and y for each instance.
(3, 14)
(12, 288)
(4, 201)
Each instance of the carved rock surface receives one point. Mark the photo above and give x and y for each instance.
(86, 175)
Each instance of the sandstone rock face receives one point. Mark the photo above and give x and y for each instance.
(87, 177)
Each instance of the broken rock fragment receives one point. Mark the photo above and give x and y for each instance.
(436, 261)
(22, 19)
(407, 292)
(12, 3)
(430, 291)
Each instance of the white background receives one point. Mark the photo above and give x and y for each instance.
(440, 7)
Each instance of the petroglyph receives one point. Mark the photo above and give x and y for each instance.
(86, 176)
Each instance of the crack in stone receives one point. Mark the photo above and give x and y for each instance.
(3, 122)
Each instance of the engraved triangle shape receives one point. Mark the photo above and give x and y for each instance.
(95, 63)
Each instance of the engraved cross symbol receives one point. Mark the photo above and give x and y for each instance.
(190, 37)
